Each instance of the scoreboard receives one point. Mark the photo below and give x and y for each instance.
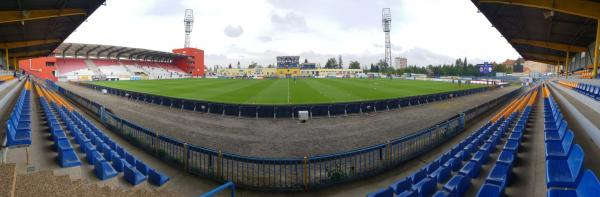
(485, 68)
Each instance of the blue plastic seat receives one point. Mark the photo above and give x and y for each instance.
(408, 193)
(499, 175)
(130, 158)
(588, 186)
(118, 163)
(156, 178)
(103, 170)
(506, 157)
(432, 166)
(134, 177)
(441, 193)
(487, 147)
(94, 157)
(470, 169)
(480, 157)
(559, 149)
(425, 187)
(401, 185)
(457, 185)
(142, 167)
(453, 163)
(489, 190)
(68, 158)
(556, 135)
(516, 136)
(512, 145)
(565, 172)
(441, 174)
(462, 155)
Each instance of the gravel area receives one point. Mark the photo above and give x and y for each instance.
(285, 137)
(45, 183)
(8, 172)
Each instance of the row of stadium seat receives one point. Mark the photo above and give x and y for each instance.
(99, 149)
(473, 151)
(499, 175)
(18, 126)
(565, 174)
(6, 78)
(66, 154)
(583, 88)
(589, 90)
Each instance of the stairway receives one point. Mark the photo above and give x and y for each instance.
(94, 68)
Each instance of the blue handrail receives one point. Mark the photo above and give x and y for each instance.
(215, 191)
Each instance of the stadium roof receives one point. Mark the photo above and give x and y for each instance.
(96, 51)
(30, 28)
(544, 30)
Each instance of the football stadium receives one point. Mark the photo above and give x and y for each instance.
(87, 117)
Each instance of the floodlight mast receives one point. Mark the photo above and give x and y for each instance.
(387, 21)
(188, 22)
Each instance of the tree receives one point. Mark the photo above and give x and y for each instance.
(331, 63)
(270, 66)
(238, 65)
(229, 66)
(340, 63)
(305, 60)
(383, 66)
(253, 65)
(354, 65)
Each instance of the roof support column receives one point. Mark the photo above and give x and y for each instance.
(15, 64)
(567, 65)
(6, 58)
(596, 50)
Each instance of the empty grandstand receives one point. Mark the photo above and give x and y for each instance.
(86, 62)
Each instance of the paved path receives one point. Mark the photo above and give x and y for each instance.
(285, 137)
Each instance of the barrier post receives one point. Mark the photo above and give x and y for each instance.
(219, 156)
(461, 123)
(185, 156)
(305, 172)
(388, 152)
(155, 145)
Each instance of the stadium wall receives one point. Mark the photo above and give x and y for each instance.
(41, 67)
(285, 174)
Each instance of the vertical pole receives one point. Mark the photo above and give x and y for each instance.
(15, 64)
(388, 152)
(219, 164)
(305, 172)
(596, 50)
(567, 65)
(185, 156)
(6, 58)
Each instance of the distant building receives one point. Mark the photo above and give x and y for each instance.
(532, 66)
(400, 62)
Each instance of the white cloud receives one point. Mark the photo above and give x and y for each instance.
(426, 32)
(233, 32)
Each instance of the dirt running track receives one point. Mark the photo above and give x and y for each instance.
(284, 137)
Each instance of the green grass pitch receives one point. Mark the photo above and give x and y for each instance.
(285, 91)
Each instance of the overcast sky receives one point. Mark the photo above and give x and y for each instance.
(424, 31)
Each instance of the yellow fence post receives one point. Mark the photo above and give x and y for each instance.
(305, 173)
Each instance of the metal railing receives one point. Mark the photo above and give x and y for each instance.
(306, 173)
